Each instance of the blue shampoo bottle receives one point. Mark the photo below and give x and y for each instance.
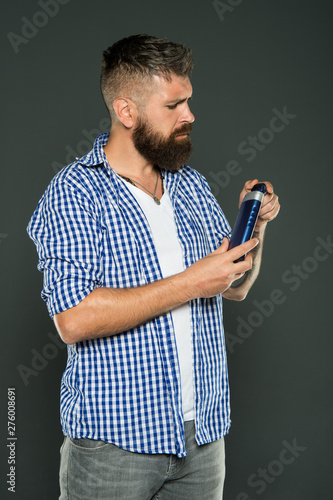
(247, 216)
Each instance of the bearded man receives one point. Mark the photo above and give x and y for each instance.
(134, 251)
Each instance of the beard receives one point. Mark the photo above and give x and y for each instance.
(168, 153)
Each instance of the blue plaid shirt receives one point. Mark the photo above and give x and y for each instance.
(90, 232)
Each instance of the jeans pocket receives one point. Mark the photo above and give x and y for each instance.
(88, 444)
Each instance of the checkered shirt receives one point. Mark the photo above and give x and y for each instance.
(90, 232)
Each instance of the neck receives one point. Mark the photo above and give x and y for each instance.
(126, 161)
(123, 157)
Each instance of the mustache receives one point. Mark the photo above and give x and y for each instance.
(184, 129)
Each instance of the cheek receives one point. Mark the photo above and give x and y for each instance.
(163, 121)
(166, 125)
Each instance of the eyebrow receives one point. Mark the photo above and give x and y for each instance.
(179, 101)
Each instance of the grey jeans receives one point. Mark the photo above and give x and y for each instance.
(101, 471)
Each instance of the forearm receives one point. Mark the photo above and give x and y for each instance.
(240, 288)
(108, 311)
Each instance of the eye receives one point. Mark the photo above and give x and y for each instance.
(172, 106)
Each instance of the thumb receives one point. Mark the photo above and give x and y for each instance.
(223, 247)
(225, 244)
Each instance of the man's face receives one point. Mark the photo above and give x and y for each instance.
(162, 132)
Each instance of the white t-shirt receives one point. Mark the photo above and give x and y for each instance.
(170, 256)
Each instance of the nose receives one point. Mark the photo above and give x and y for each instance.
(187, 115)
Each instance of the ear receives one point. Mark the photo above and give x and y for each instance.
(126, 111)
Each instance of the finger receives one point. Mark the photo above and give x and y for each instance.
(247, 188)
(269, 187)
(270, 208)
(269, 196)
(244, 248)
(241, 267)
(268, 205)
(223, 247)
(249, 184)
(236, 276)
(271, 214)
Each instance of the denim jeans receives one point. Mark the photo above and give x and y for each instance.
(95, 470)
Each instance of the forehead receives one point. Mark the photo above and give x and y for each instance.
(178, 88)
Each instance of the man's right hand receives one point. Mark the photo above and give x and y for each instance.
(215, 273)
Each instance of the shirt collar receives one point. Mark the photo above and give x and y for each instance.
(96, 156)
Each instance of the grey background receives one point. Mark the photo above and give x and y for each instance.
(258, 56)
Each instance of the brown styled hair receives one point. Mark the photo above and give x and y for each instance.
(129, 65)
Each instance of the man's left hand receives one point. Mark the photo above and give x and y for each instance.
(270, 206)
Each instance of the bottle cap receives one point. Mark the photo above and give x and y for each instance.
(261, 186)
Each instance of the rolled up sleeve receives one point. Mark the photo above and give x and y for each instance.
(66, 230)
